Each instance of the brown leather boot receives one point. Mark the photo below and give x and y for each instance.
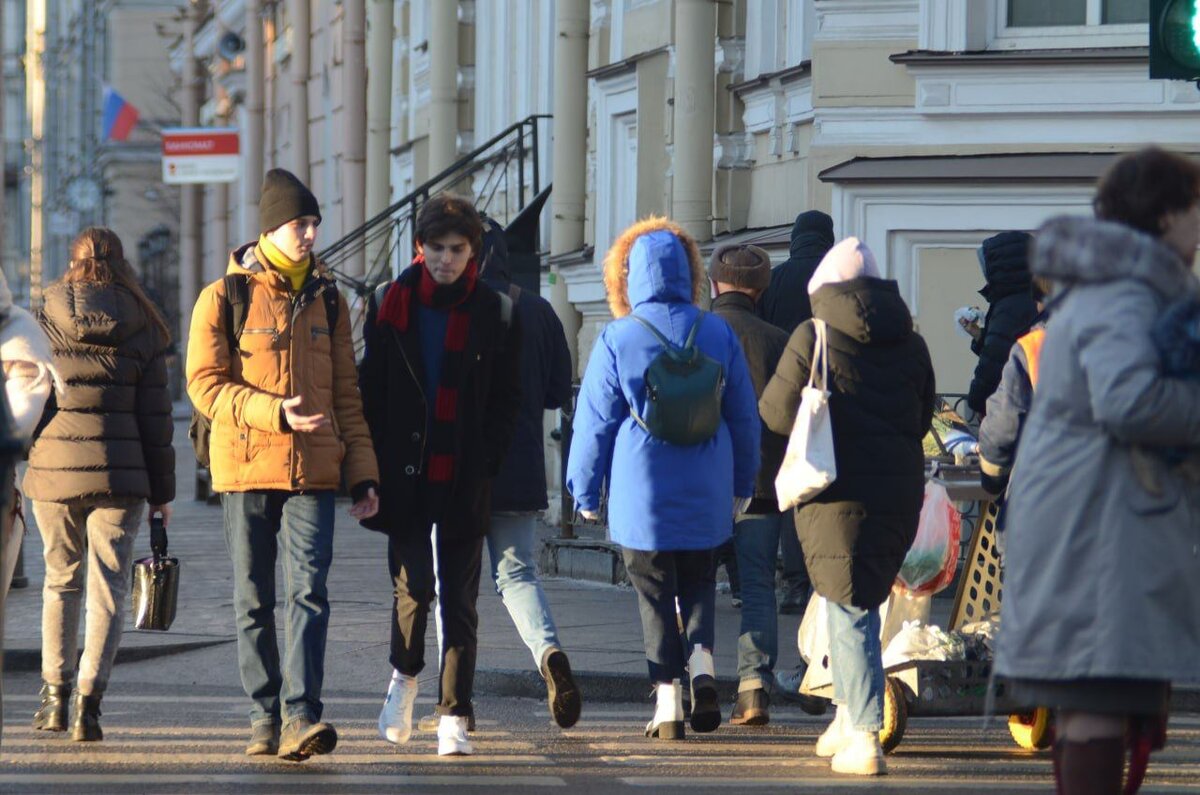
(1095, 767)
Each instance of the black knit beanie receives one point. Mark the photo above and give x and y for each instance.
(284, 198)
(748, 267)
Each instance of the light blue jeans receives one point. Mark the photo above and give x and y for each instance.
(756, 539)
(514, 572)
(856, 660)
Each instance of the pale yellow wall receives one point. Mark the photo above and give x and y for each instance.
(653, 160)
(647, 28)
(948, 278)
(850, 74)
(778, 186)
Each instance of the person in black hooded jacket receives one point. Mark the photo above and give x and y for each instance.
(785, 303)
(1012, 311)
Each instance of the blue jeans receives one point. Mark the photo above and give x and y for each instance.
(756, 539)
(514, 572)
(257, 524)
(856, 662)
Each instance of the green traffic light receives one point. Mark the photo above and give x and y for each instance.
(1181, 32)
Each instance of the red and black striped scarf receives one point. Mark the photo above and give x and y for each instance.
(397, 309)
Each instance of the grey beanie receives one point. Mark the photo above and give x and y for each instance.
(743, 266)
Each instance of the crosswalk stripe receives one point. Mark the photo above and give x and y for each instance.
(922, 784)
(292, 780)
(424, 753)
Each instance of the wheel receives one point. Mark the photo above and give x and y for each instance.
(895, 715)
(1033, 731)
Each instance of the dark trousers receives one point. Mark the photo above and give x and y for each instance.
(412, 566)
(659, 579)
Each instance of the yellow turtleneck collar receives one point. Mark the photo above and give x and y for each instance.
(295, 272)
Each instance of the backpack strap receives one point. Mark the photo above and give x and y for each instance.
(332, 305)
(235, 308)
(380, 291)
(666, 343)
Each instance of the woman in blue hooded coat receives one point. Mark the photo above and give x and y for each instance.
(669, 506)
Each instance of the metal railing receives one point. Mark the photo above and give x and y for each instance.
(501, 176)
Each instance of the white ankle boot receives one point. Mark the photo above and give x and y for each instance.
(836, 735)
(706, 706)
(395, 719)
(668, 714)
(861, 755)
(452, 737)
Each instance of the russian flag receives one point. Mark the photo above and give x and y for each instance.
(119, 116)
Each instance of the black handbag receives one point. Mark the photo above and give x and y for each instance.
(155, 583)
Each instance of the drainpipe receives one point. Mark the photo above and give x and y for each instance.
(380, 34)
(694, 123)
(354, 126)
(443, 84)
(254, 139)
(301, 66)
(569, 154)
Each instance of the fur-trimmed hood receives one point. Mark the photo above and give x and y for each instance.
(653, 261)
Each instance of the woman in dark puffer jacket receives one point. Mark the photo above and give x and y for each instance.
(102, 454)
(856, 533)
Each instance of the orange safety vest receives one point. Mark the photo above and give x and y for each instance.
(1031, 343)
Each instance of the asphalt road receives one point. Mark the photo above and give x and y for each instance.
(161, 738)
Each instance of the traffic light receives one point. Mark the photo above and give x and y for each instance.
(1175, 39)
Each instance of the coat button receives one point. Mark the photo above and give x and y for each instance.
(416, 437)
(410, 469)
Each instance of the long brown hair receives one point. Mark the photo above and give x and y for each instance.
(98, 256)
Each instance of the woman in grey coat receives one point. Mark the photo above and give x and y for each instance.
(1102, 595)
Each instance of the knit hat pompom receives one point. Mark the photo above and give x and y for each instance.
(748, 267)
(284, 198)
(850, 259)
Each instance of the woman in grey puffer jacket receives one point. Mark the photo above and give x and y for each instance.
(1101, 605)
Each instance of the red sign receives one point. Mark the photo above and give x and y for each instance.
(200, 154)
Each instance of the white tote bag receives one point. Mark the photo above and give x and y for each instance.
(809, 465)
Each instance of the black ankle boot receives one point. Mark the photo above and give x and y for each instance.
(52, 714)
(86, 725)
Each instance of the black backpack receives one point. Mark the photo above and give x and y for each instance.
(683, 391)
(234, 310)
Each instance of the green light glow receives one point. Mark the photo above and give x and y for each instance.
(1196, 23)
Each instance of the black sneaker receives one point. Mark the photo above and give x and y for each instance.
(562, 692)
(53, 714)
(706, 708)
(751, 709)
(302, 738)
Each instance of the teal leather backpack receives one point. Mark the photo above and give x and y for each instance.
(683, 391)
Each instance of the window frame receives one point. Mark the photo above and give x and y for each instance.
(1090, 34)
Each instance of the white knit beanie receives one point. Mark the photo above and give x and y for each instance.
(850, 259)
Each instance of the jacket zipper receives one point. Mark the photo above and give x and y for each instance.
(274, 332)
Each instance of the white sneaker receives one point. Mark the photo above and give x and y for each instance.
(395, 719)
(452, 737)
(836, 735)
(860, 756)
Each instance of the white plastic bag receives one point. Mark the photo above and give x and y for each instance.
(919, 641)
(813, 636)
(932, 560)
(809, 465)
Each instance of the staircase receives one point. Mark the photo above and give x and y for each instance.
(502, 176)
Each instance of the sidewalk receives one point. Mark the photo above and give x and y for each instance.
(598, 624)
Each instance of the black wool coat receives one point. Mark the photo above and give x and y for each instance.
(856, 533)
(1011, 311)
(763, 345)
(489, 395)
(545, 386)
(109, 433)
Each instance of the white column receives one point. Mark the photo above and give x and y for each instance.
(694, 126)
(443, 84)
(254, 137)
(298, 13)
(354, 126)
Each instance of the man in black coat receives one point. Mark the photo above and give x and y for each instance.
(1011, 312)
(739, 274)
(440, 381)
(519, 491)
(786, 305)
